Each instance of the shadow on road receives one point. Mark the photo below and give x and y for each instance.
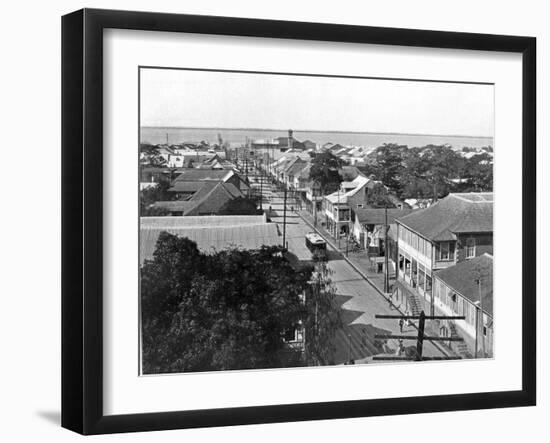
(355, 341)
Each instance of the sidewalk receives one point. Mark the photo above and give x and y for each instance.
(360, 262)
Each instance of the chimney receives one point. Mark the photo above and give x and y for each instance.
(290, 144)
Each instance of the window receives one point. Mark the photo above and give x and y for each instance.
(421, 276)
(446, 251)
(428, 284)
(293, 335)
(470, 247)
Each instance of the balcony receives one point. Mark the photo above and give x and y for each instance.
(314, 195)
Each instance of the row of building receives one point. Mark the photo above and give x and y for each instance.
(444, 265)
(441, 256)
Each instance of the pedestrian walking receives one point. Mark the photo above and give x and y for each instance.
(390, 295)
(401, 348)
(401, 323)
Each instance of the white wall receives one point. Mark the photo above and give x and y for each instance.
(30, 291)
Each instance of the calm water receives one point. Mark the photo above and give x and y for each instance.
(157, 135)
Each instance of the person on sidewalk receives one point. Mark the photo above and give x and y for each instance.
(401, 324)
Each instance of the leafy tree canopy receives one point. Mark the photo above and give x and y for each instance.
(430, 171)
(324, 171)
(377, 197)
(227, 310)
(153, 194)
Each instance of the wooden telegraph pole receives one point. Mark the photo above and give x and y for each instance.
(420, 337)
(386, 270)
(261, 186)
(284, 218)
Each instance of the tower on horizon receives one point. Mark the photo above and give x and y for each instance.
(290, 144)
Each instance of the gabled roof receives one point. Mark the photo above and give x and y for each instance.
(188, 187)
(213, 200)
(376, 216)
(309, 144)
(193, 174)
(457, 213)
(296, 167)
(283, 142)
(463, 276)
(304, 173)
(209, 199)
(357, 183)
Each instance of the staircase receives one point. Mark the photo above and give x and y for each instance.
(415, 303)
(460, 347)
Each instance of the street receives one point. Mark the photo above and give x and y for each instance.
(358, 300)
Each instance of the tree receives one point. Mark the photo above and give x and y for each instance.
(324, 172)
(479, 171)
(442, 165)
(240, 206)
(323, 317)
(153, 194)
(389, 164)
(377, 197)
(227, 310)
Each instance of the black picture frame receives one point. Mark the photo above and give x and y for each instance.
(82, 215)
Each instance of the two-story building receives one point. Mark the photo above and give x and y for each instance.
(339, 205)
(456, 228)
(466, 289)
(369, 223)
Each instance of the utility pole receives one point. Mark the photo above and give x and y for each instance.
(284, 218)
(479, 317)
(337, 228)
(482, 323)
(477, 331)
(314, 201)
(386, 264)
(420, 340)
(261, 187)
(420, 337)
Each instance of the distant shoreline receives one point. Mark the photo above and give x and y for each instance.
(318, 131)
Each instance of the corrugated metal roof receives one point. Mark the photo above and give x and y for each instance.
(213, 238)
(200, 221)
(193, 174)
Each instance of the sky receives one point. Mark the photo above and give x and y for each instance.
(184, 98)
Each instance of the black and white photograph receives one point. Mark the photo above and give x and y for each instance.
(296, 220)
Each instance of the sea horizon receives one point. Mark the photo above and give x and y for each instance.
(372, 139)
